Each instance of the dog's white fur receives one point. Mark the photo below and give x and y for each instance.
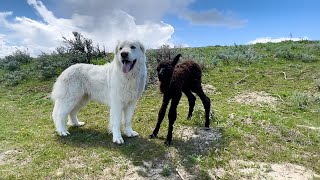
(108, 84)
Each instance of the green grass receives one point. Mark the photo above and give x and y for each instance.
(30, 149)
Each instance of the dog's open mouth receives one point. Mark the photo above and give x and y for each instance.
(128, 65)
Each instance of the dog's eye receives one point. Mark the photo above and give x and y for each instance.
(120, 48)
(132, 47)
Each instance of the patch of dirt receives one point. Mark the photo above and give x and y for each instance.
(255, 98)
(8, 156)
(207, 88)
(162, 169)
(75, 162)
(12, 157)
(199, 140)
(70, 165)
(259, 170)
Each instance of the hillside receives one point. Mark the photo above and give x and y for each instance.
(266, 124)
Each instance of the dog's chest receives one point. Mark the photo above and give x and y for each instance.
(131, 87)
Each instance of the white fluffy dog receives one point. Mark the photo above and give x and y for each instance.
(118, 84)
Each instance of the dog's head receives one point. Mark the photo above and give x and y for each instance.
(129, 54)
(165, 68)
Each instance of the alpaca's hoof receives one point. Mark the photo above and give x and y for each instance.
(206, 128)
(189, 117)
(152, 136)
(167, 143)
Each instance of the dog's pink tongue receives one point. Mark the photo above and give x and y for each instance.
(126, 66)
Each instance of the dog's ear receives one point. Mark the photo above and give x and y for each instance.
(176, 59)
(142, 47)
(116, 50)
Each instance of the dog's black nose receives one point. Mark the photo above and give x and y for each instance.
(124, 54)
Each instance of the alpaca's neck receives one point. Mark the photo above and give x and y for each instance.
(164, 86)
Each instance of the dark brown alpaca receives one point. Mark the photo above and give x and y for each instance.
(174, 79)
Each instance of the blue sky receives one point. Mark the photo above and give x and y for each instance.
(39, 25)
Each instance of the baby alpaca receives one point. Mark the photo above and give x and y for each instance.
(174, 79)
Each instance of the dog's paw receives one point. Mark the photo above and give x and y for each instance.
(63, 133)
(78, 124)
(118, 140)
(132, 133)
(189, 117)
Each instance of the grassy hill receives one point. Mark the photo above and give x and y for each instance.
(265, 97)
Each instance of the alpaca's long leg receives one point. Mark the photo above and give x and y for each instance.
(192, 102)
(172, 115)
(206, 103)
(162, 113)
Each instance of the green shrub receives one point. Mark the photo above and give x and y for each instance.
(308, 58)
(166, 171)
(14, 78)
(12, 65)
(238, 53)
(21, 56)
(15, 60)
(151, 66)
(300, 99)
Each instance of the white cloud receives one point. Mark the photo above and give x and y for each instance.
(6, 47)
(275, 40)
(105, 22)
(115, 25)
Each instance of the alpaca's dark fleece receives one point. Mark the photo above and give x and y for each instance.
(174, 79)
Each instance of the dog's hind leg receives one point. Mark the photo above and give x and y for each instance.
(127, 117)
(60, 113)
(192, 102)
(73, 119)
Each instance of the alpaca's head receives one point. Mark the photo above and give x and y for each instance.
(165, 70)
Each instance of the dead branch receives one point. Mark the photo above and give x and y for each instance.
(285, 76)
(242, 80)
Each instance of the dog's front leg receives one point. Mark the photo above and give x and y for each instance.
(115, 122)
(127, 115)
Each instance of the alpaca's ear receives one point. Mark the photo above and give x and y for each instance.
(176, 59)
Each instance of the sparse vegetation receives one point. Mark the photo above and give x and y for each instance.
(244, 137)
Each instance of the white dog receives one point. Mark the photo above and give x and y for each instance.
(118, 84)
